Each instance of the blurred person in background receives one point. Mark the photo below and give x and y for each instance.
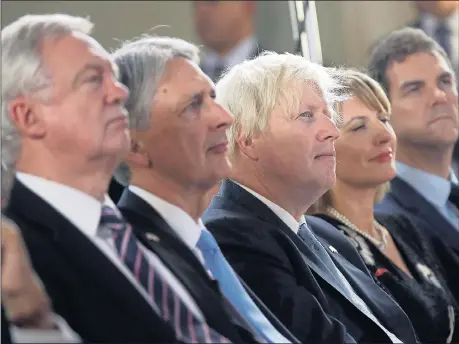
(226, 28)
(393, 250)
(418, 78)
(179, 155)
(283, 159)
(439, 19)
(63, 106)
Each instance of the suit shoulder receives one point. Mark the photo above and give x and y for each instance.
(244, 232)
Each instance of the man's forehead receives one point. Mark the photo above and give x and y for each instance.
(184, 77)
(418, 66)
(77, 49)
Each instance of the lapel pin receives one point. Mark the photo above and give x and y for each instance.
(151, 236)
(332, 249)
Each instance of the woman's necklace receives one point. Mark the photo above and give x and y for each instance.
(381, 243)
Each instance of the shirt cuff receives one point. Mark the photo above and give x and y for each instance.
(62, 334)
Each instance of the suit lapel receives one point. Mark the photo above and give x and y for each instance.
(257, 208)
(179, 258)
(78, 250)
(409, 199)
(372, 295)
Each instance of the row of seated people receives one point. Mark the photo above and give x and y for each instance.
(169, 264)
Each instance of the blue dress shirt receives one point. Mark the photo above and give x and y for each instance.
(433, 188)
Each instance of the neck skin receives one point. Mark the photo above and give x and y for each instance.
(90, 177)
(436, 161)
(356, 204)
(296, 201)
(190, 199)
(245, 31)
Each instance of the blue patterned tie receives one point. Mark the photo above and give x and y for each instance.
(324, 259)
(233, 289)
(173, 311)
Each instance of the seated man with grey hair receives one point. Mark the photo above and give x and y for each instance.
(178, 153)
(65, 129)
(281, 147)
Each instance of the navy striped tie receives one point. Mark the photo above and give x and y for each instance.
(173, 311)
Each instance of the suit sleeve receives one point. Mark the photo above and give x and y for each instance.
(262, 263)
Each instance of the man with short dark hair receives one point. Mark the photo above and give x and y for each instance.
(419, 80)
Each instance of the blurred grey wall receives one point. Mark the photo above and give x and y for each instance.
(121, 20)
(347, 28)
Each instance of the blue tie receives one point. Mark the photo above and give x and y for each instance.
(324, 259)
(233, 289)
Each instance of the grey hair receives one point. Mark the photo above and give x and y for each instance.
(23, 70)
(141, 64)
(396, 47)
(254, 88)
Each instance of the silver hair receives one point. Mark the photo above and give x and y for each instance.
(23, 70)
(141, 65)
(252, 89)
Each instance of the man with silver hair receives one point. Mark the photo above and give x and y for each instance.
(64, 129)
(179, 152)
(283, 158)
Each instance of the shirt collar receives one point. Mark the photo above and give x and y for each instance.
(180, 222)
(236, 55)
(81, 209)
(284, 215)
(433, 188)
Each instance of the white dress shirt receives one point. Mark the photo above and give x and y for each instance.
(244, 50)
(294, 225)
(84, 212)
(62, 334)
(429, 24)
(182, 223)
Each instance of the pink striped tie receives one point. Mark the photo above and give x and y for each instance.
(187, 327)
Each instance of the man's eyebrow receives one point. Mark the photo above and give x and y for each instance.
(410, 83)
(88, 67)
(445, 74)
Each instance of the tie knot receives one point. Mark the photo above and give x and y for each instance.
(207, 242)
(110, 216)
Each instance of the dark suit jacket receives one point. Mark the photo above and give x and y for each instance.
(275, 263)
(403, 199)
(6, 336)
(147, 220)
(442, 236)
(87, 290)
(427, 304)
(115, 190)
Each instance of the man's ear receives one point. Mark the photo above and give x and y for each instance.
(27, 119)
(247, 146)
(137, 156)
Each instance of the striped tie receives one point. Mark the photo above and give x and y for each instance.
(173, 311)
